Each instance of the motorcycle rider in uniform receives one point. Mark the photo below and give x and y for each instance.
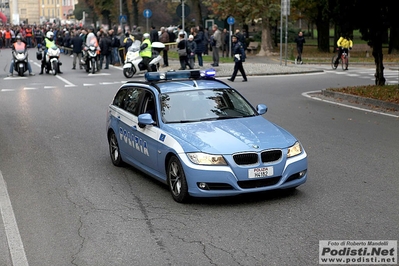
(146, 51)
(48, 42)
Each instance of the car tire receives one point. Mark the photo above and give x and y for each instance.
(114, 150)
(177, 180)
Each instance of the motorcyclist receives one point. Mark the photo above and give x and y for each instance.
(91, 39)
(19, 45)
(146, 51)
(48, 42)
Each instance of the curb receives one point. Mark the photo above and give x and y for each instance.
(360, 100)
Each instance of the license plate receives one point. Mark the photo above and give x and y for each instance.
(260, 172)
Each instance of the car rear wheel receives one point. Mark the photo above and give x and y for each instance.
(177, 180)
(114, 151)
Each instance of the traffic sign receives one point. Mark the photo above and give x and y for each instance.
(231, 20)
(147, 13)
(179, 11)
(122, 19)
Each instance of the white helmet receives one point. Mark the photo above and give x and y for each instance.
(146, 35)
(49, 34)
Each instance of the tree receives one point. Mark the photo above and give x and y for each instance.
(319, 13)
(250, 10)
(374, 30)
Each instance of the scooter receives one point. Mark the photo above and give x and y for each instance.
(52, 59)
(134, 62)
(90, 58)
(20, 58)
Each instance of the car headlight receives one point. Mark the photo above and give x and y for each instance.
(206, 159)
(294, 150)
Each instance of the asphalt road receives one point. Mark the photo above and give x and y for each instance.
(64, 203)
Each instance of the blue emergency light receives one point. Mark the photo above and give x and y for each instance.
(181, 74)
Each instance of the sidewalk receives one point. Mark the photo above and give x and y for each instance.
(253, 66)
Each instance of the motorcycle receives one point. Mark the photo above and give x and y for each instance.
(134, 62)
(52, 59)
(90, 58)
(20, 58)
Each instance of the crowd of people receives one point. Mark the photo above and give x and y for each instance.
(113, 43)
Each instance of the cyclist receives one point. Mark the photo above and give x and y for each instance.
(344, 44)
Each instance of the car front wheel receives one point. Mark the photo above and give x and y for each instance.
(114, 150)
(177, 180)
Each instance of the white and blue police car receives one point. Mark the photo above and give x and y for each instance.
(201, 137)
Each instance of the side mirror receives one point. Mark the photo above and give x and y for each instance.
(261, 109)
(145, 119)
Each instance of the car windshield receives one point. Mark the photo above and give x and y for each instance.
(203, 105)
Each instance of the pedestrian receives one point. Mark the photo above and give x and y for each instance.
(154, 36)
(223, 47)
(216, 42)
(105, 47)
(77, 44)
(241, 39)
(300, 40)
(115, 43)
(239, 58)
(191, 51)
(206, 41)
(164, 38)
(199, 39)
(29, 34)
(121, 49)
(182, 51)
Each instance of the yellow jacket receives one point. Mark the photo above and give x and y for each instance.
(147, 52)
(344, 43)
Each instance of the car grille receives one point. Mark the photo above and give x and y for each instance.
(253, 158)
(259, 182)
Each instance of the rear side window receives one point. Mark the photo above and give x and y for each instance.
(118, 100)
(133, 99)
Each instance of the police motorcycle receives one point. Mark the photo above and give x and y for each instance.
(134, 62)
(53, 60)
(90, 58)
(20, 58)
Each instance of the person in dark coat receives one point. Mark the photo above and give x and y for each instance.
(300, 40)
(105, 46)
(154, 36)
(76, 44)
(239, 58)
(199, 40)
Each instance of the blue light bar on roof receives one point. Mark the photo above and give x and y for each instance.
(181, 74)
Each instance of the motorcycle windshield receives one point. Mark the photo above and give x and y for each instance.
(135, 46)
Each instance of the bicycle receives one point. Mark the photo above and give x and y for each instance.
(344, 61)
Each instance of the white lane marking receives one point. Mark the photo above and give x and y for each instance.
(66, 81)
(29, 88)
(306, 94)
(8, 90)
(17, 251)
(99, 74)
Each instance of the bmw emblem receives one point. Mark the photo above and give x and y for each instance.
(255, 146)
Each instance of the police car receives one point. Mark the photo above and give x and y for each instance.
(201, 137)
